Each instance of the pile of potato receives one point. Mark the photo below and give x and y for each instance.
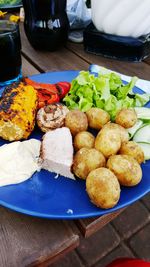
(107, 160)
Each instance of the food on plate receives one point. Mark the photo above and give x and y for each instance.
(103, 188)
(51, 88)
(18, 161)
(142, 137)
(126, 168)
(126, 117)
(63, 88)
(86, 160)
(143, 113)
(143, 134)
(18, 107)
(49, 93)
(97, 118)
(146, 149)
(140, 131)
(83, 139)
(57, 152)
(51, 116)
(104, 90)
(108, 140)
(76, 121)
(122, 131)
(133, 149)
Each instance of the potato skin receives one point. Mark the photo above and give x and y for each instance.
(86, 160)
(97, 118)
(103, 188)
(83, 139)
(133, 149)
(126, 168)
(126, 117)
(122, 131)
(76, 121)
(108, 140)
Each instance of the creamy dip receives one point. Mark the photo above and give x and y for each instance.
(18, 161)
(124, 18)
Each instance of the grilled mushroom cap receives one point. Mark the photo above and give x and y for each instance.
(51, 116)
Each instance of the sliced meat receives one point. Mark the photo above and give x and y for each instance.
(57, 152)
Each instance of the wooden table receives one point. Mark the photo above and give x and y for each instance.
(28, 241)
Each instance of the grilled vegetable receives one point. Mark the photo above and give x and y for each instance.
(45, 99)
(49, 93)
(51, 88)
(18, 107)
(63, 88)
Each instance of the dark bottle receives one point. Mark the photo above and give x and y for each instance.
(46, 23)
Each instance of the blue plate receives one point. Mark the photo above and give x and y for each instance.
(45, 196)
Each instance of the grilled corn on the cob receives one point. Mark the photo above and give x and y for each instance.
(17, 111)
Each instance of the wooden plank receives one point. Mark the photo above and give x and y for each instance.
(29, 241)
(141, 70)
(147, 60)
(46, 61)
(27, 68)
(90, 226)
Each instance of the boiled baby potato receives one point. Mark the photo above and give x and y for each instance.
(97, 118)
(108, 140)
(126, 117)
(86, 160)
(84, 139)
(122, 131)
(126, 168)
(133, 149)
(76, 121)
(103, 188)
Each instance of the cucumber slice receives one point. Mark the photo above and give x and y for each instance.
(146, 149)
(133, 130)
(143, 113)
(143, 134)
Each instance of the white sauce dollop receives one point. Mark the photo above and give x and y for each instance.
(18, 161)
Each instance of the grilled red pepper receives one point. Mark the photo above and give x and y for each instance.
(63, 88)
(49, 93)
(53, 99)
(43, 97)
(44, 100)
(51, 88)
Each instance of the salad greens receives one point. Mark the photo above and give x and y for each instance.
(106, 91)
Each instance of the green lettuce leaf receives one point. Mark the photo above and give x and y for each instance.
(105, 91)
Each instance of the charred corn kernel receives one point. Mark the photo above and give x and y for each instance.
(14, 18)
(2, 14)
(18, 107)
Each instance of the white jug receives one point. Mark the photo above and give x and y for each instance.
(121, 17)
